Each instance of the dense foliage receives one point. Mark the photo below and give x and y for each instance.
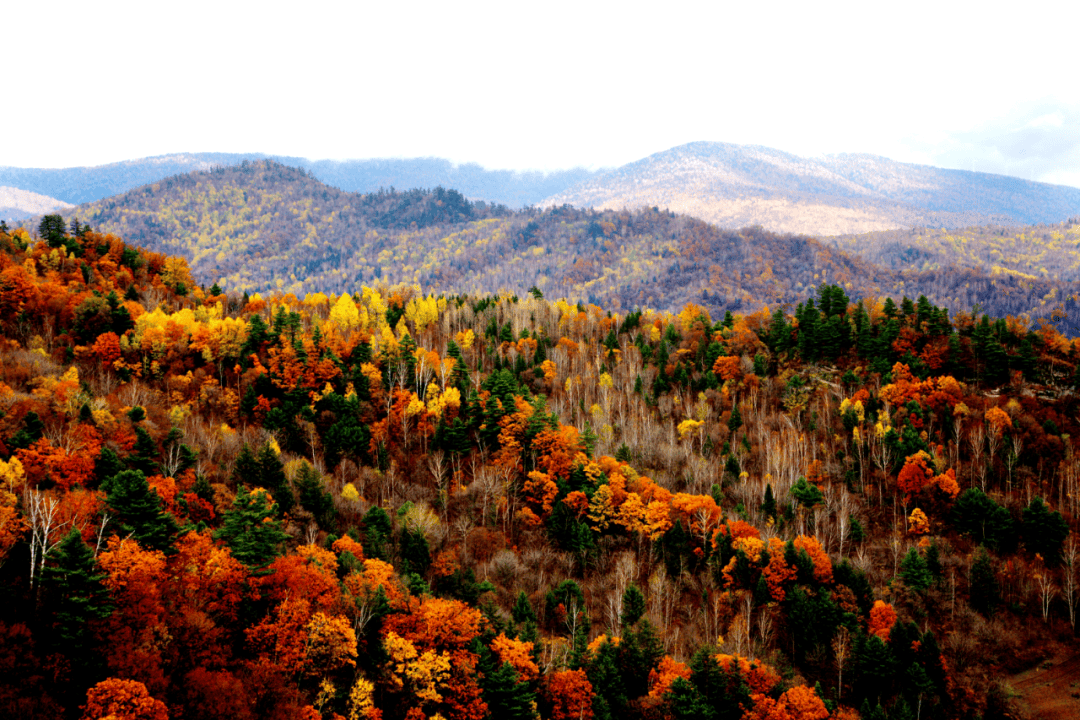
(391, 504)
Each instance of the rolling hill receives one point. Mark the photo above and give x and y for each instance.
(87, 184)
(1030, 251)
(739, 185)
(264, 226)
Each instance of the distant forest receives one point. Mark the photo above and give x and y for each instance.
(262, 226)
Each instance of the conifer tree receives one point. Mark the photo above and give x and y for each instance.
(522, 612)
(768, 505)
(246, 470)
(75, 596)
(633, 606)
(984, 592)
(314, 497)
(1043, 531)
(506, 695)
(272, 477)
(377, 529)
(914, 571)
(137, 511)
(251, 530)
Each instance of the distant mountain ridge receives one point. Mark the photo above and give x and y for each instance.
(507, 187)
(739, 185)
(263, 226)
(723, 183)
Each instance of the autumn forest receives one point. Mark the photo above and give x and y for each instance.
(389, 500)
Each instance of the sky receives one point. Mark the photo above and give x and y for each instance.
(552, 85)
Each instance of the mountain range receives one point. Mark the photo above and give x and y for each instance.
(739, 185)
(73, 186)
(262, 226)
(729, 185)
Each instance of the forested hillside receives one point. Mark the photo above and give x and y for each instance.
(394, 504)
(263, 226)
(1040, 251)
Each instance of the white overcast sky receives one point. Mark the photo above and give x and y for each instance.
(550, 85)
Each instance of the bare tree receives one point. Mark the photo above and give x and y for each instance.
(1068, 583)
(44, 528)
(977, 441)
(1047, 591)
(841, 646)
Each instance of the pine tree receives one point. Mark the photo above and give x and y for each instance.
(32, 431)
(633, 606)
(522, 612)
(251, 531)
(875, 665)
(1043, 531)
(977, 515)
(137, 511)
(246, 470)
(415, 552)
(768, 505)
(984, 592)
(505, 694)
(272, 477)
(735, 421)
(933, 561)
(377, 530)
(75, 596)
(914, 571)
(607, 680)
(314, 497)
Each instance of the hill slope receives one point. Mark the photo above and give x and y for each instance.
(291, 497)
(1033, 251)
(738, 185)
(264, 226)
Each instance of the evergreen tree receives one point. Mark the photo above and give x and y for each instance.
(779, 333)
(735, 421)
(806, 493)
(633, 606)
(607, 681)
(768, 505)
(984, 592)
(75, 589)
(1043, 531)
(246, 470)
(415, 552)
(314, 497)
(522, 612)
(271, 473)
(142, 459)
(875, 666)
(251, 530)
(637, 655)
(31, 432)
(711, 693)
(914, 571)
(984, 520)
(137, 511)
(506, 695)
(377, 529)
(202, 488)
(107, 465)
